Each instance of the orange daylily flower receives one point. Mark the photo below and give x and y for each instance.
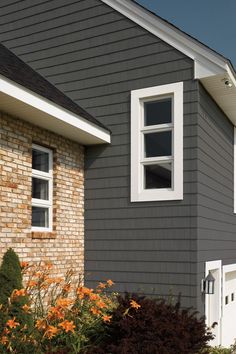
(32, 283)
(101, 285)
(106, 318)
(95, 311)
(41, 324)
(66, 288)
(49, 265)
(6, 330)
(51, 332)
(24, 264)
(94, 297)
(110, 282)
(4, 340)
(134, 304)
(26, 308)
(64, 302)
(101, 304)
(68, 326)
(20, 292)
(56, 313)
(12, 323)
(83, 291)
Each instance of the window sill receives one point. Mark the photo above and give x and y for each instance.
(43, 235)
(153, 195)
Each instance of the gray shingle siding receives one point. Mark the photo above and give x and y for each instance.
(216, 218)
(97, 56)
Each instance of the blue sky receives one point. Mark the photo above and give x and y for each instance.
(213, 22)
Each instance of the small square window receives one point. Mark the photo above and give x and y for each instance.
(158, 144)
(40, 217)
(40, 160)
(158, 176)
(40, 188)
(158, 112)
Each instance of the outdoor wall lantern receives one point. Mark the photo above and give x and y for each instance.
(208, 284)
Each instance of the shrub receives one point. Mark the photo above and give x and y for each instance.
(220, 350)
(12, 295)
(10, 275)
(153, 327)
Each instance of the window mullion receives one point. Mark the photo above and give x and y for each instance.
(156, 160)
(157, 128)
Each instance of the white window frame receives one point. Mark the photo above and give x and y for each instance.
(138, 97)
(49, 177)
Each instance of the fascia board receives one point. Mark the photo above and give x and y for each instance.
(42, 104)
(207, 62)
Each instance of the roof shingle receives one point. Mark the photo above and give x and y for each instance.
(18, 71)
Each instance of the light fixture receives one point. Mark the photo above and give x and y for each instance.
(208, 284)
(227, 82)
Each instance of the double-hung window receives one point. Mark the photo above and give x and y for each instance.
(157, 143)
(42, 185)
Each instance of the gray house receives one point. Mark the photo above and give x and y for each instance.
(159, 199)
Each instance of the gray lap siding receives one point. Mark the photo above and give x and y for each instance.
(97, 56)
(216, 218)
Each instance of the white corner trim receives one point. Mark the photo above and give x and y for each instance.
(204, 57)
(234, 162)
(22, 94)
(209, 266)
(138, 193)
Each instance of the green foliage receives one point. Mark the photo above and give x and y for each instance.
(220, 350)
(10, 275)
(10, 281)
(153, 327)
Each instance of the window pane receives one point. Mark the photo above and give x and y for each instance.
(158, 176)
(40, 188)
(157, 112)
(158, 144)
(40, 160)
(40, 217)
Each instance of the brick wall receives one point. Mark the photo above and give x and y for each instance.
(65, 245)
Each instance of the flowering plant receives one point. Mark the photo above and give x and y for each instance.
(67, 316)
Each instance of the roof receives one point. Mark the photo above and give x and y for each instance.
(18, 71)
(215, 72)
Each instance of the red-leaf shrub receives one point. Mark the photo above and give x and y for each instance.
(157, 327)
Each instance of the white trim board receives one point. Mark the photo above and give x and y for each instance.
(138, 191)
(63, 117)
(210, 266)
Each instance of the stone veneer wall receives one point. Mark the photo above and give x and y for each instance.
(64, 247)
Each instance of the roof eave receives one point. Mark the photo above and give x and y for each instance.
(29, 106)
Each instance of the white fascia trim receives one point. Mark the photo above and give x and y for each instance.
(32, 99)
(207, 62)
(138, 194)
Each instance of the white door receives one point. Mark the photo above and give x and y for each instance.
(228, 306)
